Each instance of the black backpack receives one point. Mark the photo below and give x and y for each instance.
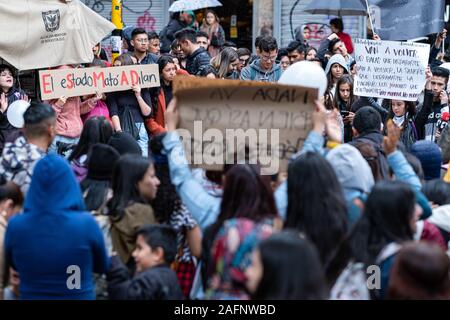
(381, 159)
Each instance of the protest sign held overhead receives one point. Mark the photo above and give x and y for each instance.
(220, 118)
(389, 69)
(78, 82)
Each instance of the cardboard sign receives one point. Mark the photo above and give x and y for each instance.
(84, 81)
(390, 69)
(219, 119)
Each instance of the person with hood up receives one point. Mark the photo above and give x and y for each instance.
(265, 68)
(56, 231)
(336, 68)
(430, 157)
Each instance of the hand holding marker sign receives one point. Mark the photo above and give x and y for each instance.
(390, 69)
(79, 82)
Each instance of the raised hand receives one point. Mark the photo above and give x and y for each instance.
(393, 136)
(172, 115)
(3, 102)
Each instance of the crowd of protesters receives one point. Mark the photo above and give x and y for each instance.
(93, 186)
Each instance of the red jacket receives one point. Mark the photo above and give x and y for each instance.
(347, 40)
(156, 123)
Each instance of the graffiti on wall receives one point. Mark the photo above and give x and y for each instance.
(319, 28)
(134, 13)
(100, 5)
(146, 21)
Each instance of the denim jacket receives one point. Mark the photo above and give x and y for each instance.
(203, 206)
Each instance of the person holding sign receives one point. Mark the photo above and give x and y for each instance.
(162, 96)
(68, 118)
(139, 41)
(434, 105)
(128, 111)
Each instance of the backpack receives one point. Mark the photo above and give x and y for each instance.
(381, 158)
(351, 284)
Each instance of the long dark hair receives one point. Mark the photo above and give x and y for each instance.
(128, 171)
(95, 130)
(245, 195)
(387, 218)
(279, 255)
(316, 206)
(97, 191)
(410, 109)
(163, 61)
(345, 79)
(167, 200)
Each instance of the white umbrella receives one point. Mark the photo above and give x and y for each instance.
(185, 5)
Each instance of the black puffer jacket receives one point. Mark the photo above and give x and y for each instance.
(157, 283)
(198, 60)
(167, 34)
(6, 129)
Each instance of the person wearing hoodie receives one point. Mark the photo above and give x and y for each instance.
(20, 157)
(336, 68)
(430, 157)
(265, 68)
(8, 94)
(197, 57)
(56, 231)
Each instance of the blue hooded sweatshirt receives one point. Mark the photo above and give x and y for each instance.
(54, 237)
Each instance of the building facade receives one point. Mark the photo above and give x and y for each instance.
(242, 20)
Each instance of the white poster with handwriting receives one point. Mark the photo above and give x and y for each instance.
(390, 69)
